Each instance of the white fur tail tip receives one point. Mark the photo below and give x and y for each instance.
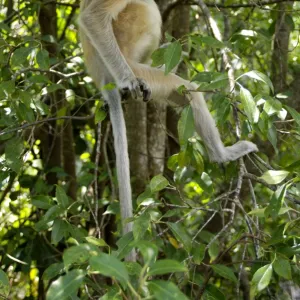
(235, 151)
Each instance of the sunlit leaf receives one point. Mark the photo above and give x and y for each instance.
(274, 177)
(4, 283)
(261, 278)
(249, 104)
(66, 286)
(158, 183)
(172, 56)
(261, 77)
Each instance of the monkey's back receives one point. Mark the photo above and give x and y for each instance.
(136, 26)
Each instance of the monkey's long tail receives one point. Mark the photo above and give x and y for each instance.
(122, 161)
(166, 87)
(206, 128)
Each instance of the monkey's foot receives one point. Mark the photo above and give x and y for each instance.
(235, 151)
(137, 88)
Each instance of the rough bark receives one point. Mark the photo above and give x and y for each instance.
(136, 123)
(69, 158)
(180, 28)
(58, 143)
(279, 65)
(51, 139)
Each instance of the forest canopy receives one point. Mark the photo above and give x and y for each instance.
(202, 230)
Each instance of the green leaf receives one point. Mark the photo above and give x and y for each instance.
(274, 177)
(110, 266)
(141, 225)
(66, 286)
(19, 56)
(61, 197)
(276, 202)
(212, 42)
(42, 201)
(258, 212)
(24, 113)
(272, 136)
(163, 290)
(213, 293)
(59, 231)
(52, 88)
(4, 283)
(181, 235)
(79, 254)
(6, 88)
(148, 250)
(53, 270)
(283, 268)
(197, 161)
(272, 106)
(13, 151)
(97, 242)
(198, 253)
(133, 268)
(158, 57)
(173, 162)
(221, 81)
(261, 77)
(144, 196)
(158, 183)
(249, 104)
(166, 266)
(100, 115)
(225, 272)
(172, 56)
(186, 126)
(124, 245)
(53, 212)
(42, 59)
(205, 76)
(261, 279)
(294, 114)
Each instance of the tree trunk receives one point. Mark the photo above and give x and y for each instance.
(58, 143)
(279, 65)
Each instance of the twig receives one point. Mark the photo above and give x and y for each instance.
(45, 121)
(97, 161)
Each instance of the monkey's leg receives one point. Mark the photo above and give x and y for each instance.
(166, 87)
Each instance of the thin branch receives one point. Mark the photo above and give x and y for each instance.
(97, 161)
(252, 4)
(3, 132)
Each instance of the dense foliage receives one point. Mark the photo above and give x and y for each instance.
(201, 230)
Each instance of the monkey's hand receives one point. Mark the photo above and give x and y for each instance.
(137, 88)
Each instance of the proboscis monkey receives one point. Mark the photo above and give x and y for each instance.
(118, 37)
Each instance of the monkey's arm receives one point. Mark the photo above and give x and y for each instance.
(96, 22)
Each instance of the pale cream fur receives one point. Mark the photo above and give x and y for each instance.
(118, 37)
